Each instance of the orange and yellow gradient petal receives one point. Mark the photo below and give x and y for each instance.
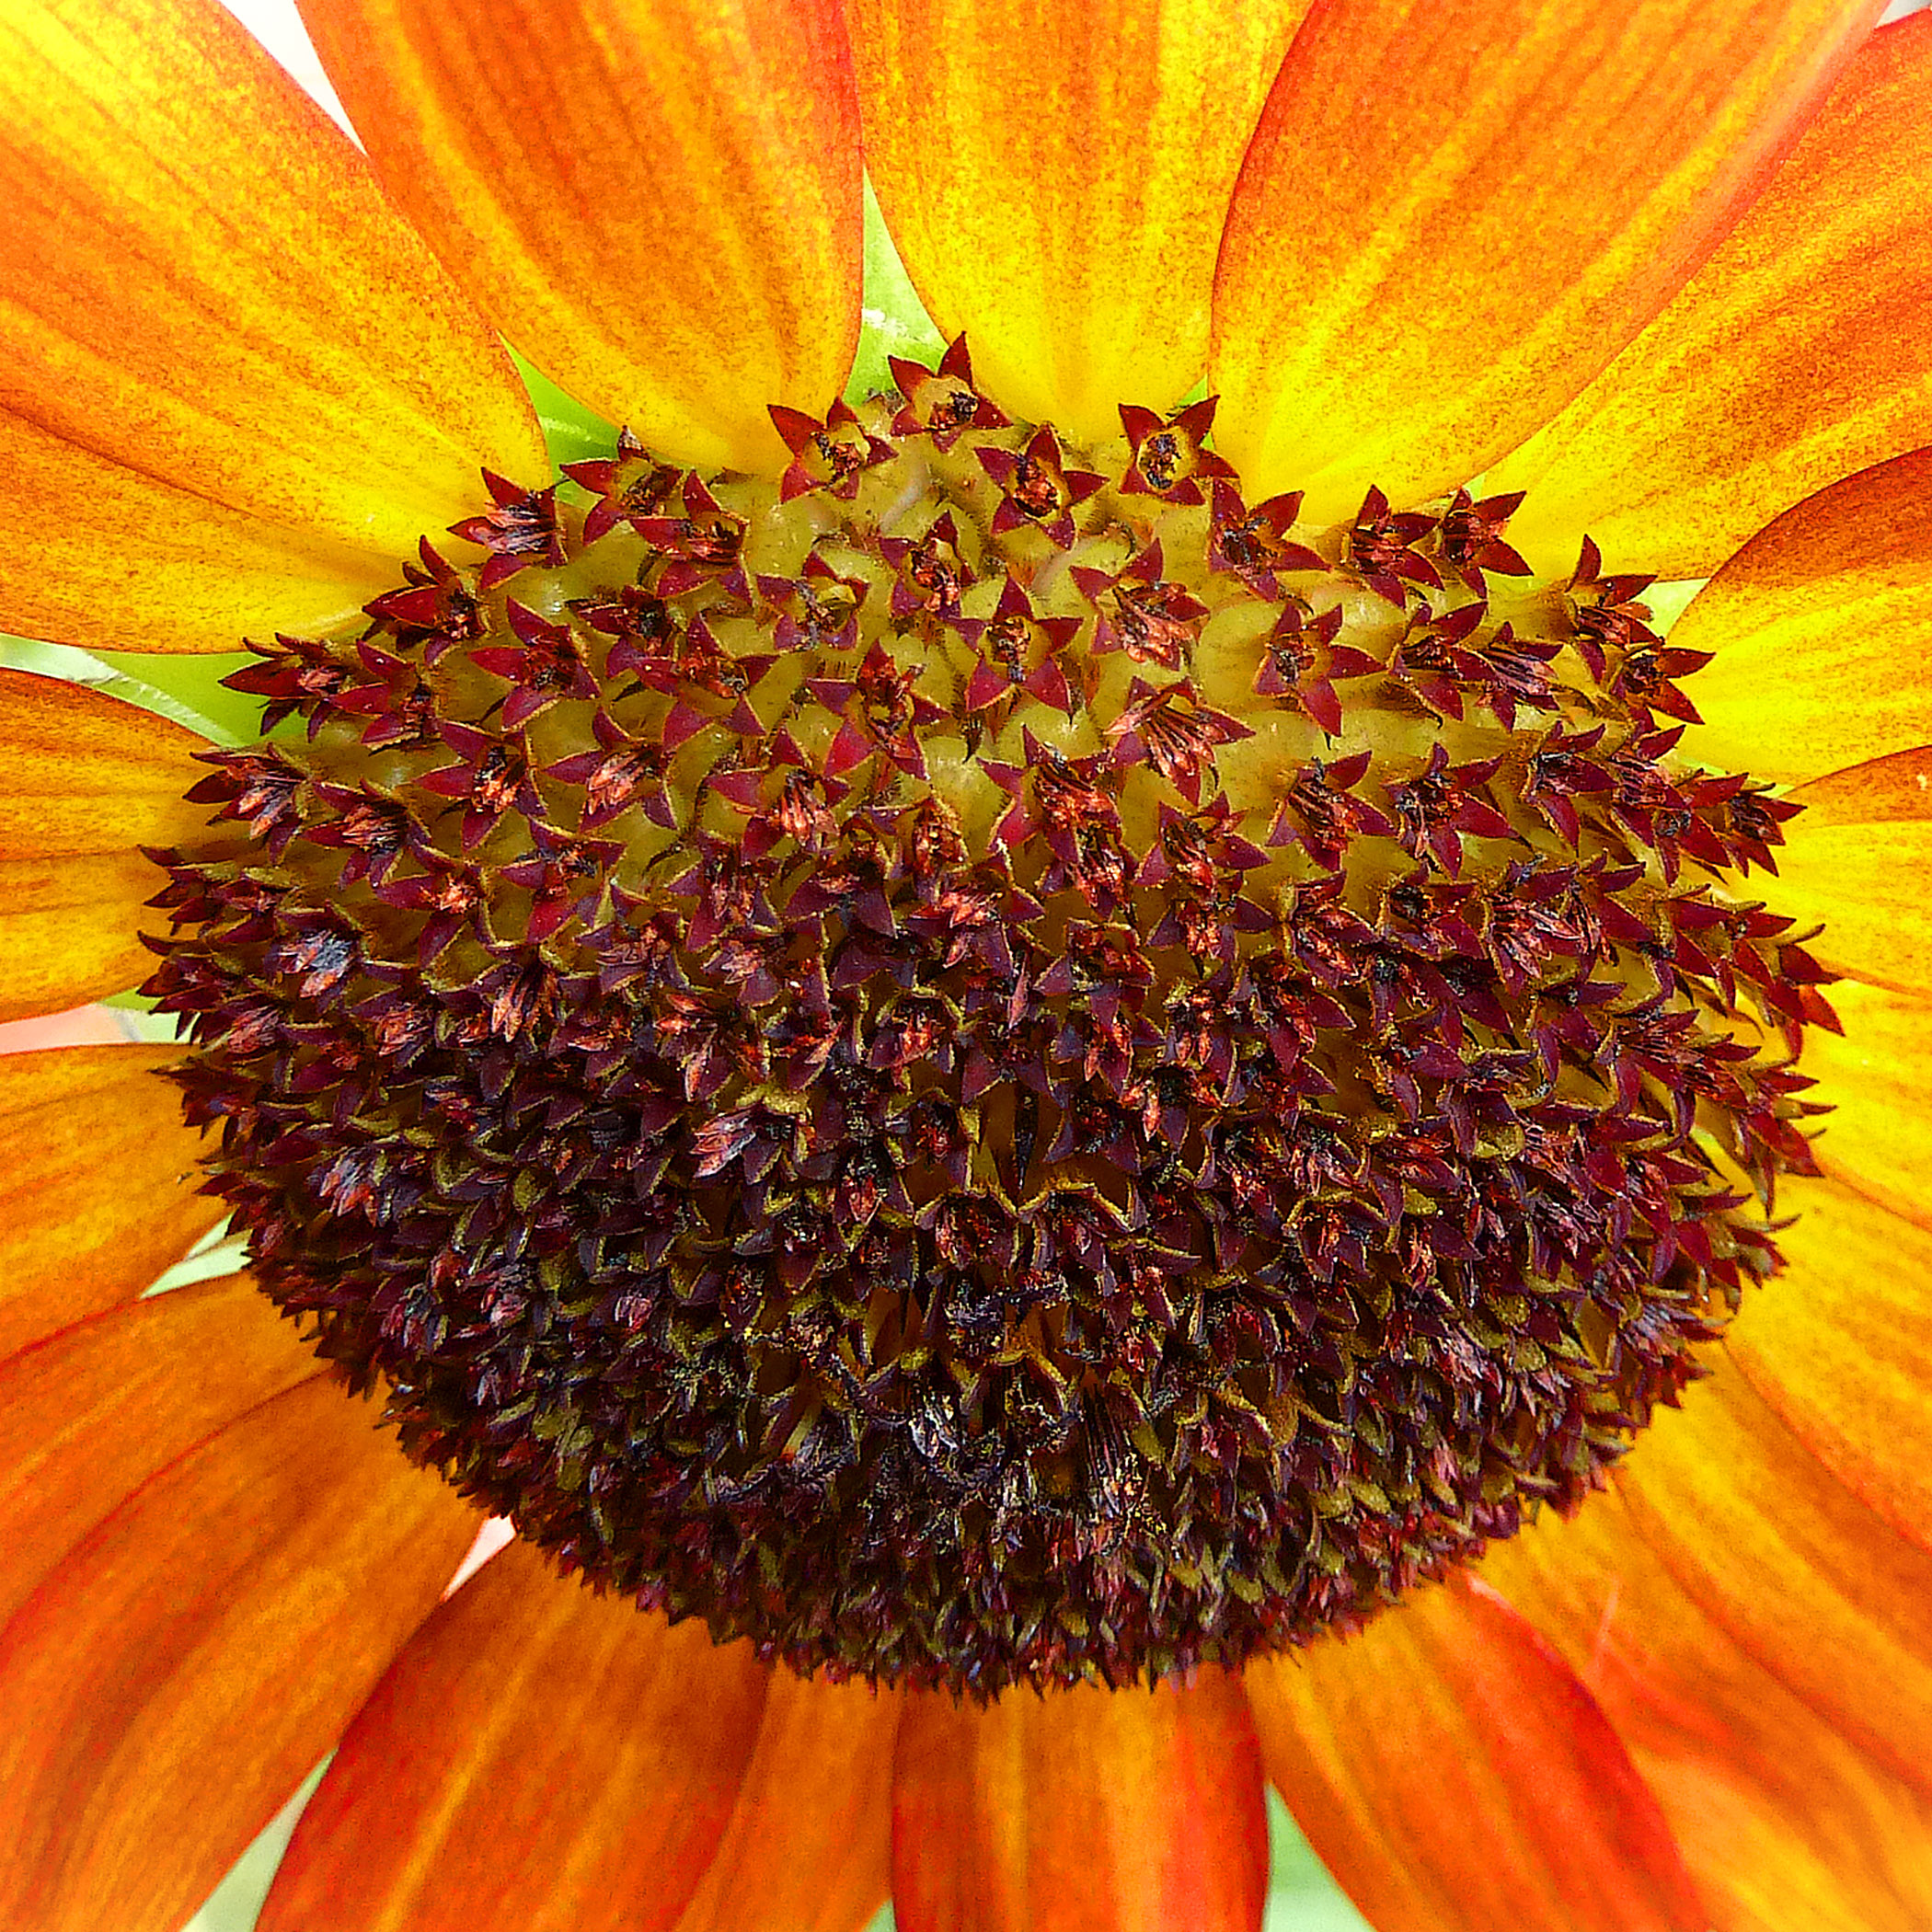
(1409, 151)
(675, 238)
(1795, 356)
(1452, 1770)
(1056, 179)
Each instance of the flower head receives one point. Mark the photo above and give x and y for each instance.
(1007, 1030)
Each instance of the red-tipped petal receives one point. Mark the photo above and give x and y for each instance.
(1837, 1346)
(1783, 1822)
(90, 1413)
(808, 1845)
(1803, 1575)
(209, 295)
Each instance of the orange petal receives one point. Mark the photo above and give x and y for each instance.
(1798, 1571)
(1795, 356)
(67, 929)
(207, 289)
(538, 1759)
(1782, 1822)
(1451, 1770)
(1454, 212)
(135, 563)
(89, 1414)
(809, 1847)
(1877, 1077)
(86, 773)
(97, 1183)
(675, 237)
(1089, 1810)
(1055, 179)
(1822, 627)
(1836, 1346)
(171, 1682)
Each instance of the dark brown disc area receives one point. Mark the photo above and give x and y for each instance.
(991, 1063)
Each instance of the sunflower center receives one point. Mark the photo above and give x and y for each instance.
(991, 1063)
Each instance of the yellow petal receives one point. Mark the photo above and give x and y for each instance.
(1455, 212)
(80, 772)
(67, 929)
(1870, 885)
(1055, 179)
(1822, 631)
(658, 201)
(1877, 1078)
(206, 288)
(1836, 1346)
(1795, 356)
(98, 1181)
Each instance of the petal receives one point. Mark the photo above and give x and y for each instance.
(1795, 356)
(1087, 1810)
(538, 1759)
(1782, 1822)
(808, 1845)
(1882, 791)
(90, 1413)
(78, 1026)
(1865, 881)
(1454, 212)
(1452, 1770)
(1055, 179)
(674, 236)
(1877, 1078)
(1822, 631)
(1836, 1346)
(171, 1682)
(1814, 1585)
(67, 929)
(206, 288)
(80, 772)
(97, 1183)
(136, 563)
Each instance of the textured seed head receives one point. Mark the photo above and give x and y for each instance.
(991, 1063)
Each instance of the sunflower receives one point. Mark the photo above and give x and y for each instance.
(1090, 1071)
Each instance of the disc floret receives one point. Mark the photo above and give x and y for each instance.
(986, 1063)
